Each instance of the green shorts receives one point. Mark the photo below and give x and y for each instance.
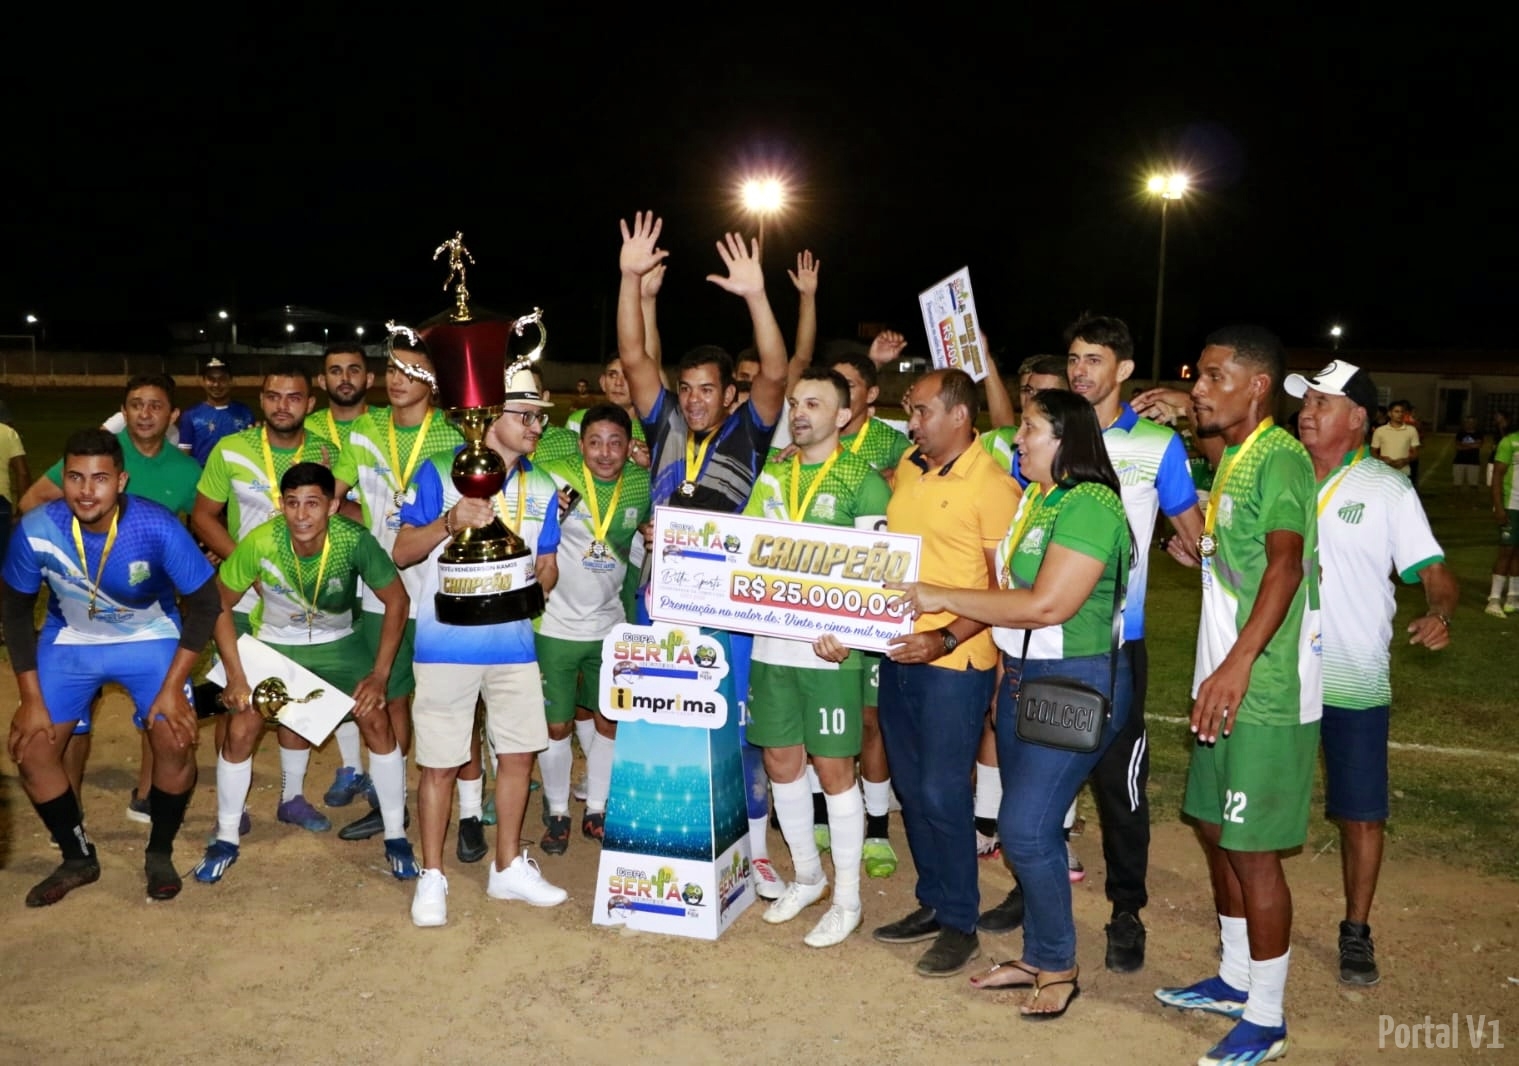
(872, 678)
(818, 709)
(402, 683)
(1256, 784)
(242, 623)
(1508, 537)
(341, 663)
(571, 672)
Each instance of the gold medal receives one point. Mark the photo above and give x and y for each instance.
(398, 498)
(688, 489)
(1207, 545)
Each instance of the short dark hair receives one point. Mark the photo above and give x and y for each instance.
(607, 412)
(345, 348)
(1402, 403)
(1082, 456)
(860, 361)
(1050, 366)
(95, 441)
(1105, 330)
(140, 381)
(958, 389)
(708, 355)
(833, 377)
(302, 474)
(1256, 346)
(289, 368)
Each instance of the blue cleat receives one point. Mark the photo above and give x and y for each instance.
(298, 812)
(219, 855)
(1246, 1045)
(1214, 995)
(402, 862)
(348, 785)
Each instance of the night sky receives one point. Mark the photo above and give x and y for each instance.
(1344, 171)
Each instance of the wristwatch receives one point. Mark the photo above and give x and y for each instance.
(951, 642)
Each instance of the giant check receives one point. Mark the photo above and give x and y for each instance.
(780, 579)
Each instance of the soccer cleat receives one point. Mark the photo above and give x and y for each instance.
(1358, 956)
(71, 874)
(1213, 994)
(767, 883)
(797, 898)
(1510, 606)
(370, 825)
(1494, 608)
(523, 881)
(1073, 865)
(163, 879)
(1246, 1045)
(298, 812)
(213, 864)
(429, 906)
(470, 846)
(556, 838)
(348, 785)
(833, 928)
(987, 847)
(403, 863)
(594, 826)
(138, 810)
(880, 857)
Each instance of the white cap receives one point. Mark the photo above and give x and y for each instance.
(1336, 379)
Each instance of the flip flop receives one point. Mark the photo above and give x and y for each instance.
(993, 978)
(1050, 1015)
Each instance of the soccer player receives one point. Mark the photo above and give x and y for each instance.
(113, 565)
(219, 415)
(347, 379)
(455, 665)
(1506, 510)
(1257, 689)
(611, 500)
(305, 565)
(806, 698)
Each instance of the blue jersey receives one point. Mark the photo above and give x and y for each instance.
(203, 425)
(154, 558)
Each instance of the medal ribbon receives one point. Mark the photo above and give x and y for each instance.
(316, 589)
(1325, 497)
(1031, 502)
(332, 424)
(402, 477)
(599, 525)
(521, 502)
(1223, 476)
(797, 513)
(274, 481)
(696, 461)
(84, 566)
(859, 438)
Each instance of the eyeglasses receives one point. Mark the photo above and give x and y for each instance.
(530, 418)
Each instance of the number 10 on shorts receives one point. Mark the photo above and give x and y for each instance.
(832, 722)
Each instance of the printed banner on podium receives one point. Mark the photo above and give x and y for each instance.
(675, 857)
(949, 318)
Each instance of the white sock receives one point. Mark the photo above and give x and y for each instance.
(846, 824)
(759, 838)
(554, 764)
(1268, 983)
(349, 744)
(585, 732)
(1513, 588)
(598, 772)
(388, 772)
(877, 796)
(1495, 591)
(1070, 816)
(793, 809)
(292, 773)
(1234, 967)
(471, 797)
(988, 791)
(813, 783)
(233, 780)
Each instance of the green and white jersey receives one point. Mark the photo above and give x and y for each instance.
(378, 463)
(1088, 519)
(999, 444)
(240, 475)
(587, 599)
(306, 600)
(1371, 523)
(1504, 453)
(556, 443)
(577, 418)
(878, 444)
(850, 493)
(327, 425)
(1263, 489)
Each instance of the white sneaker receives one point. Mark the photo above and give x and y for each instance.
(522, 880)
(794, 900)
(767, 883)
(834, 928)
(580, 789)
(1495, 608)
(429, 907)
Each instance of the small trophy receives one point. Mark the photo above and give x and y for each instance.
(270, 697)
(486, 575)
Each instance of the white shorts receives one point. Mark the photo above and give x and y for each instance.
(443, 714)
(1467, 474)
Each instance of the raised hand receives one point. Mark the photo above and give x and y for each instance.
(649, 284)
(886, 347)
(805, 276)
(640, 246)
(745, 278)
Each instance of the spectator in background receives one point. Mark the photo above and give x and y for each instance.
(1397, 443)
(208, 422)
(1466, 466)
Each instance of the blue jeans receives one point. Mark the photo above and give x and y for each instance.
(931, 723)
(1038, 785)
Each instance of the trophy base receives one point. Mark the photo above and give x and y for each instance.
(512, 606)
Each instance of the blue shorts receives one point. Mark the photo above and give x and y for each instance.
(1355, 763)
(71, 674)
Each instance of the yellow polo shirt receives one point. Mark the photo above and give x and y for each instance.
(961, 510)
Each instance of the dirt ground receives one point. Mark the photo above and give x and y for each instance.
(305, 953)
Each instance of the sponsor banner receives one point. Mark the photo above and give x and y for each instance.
(681, 897)
(663, 673)
(954, 333)
(795, 580)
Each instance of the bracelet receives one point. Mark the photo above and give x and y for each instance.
(1444, 621)
(448, 526)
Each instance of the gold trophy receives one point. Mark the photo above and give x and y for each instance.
(270, 697)
(485, 575)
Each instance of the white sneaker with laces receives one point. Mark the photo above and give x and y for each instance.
(429, 906)
(767, 883)
(794, 900)
(523, 881)
(834, 927)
